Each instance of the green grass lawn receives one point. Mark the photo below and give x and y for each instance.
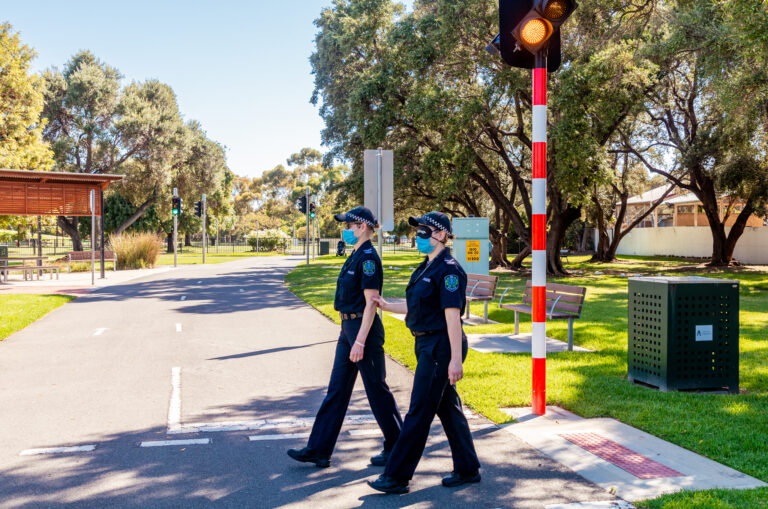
(731, 429)
(192, 258)
(18, 311)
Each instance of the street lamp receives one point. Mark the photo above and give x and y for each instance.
(529, 34)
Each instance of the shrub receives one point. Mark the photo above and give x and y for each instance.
(136, 250)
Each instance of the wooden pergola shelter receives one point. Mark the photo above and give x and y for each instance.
(46, 193)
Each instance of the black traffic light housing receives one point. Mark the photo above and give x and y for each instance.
(176, 206)
(545, 15)
(312, 210)
(199, 209)
(301, 204)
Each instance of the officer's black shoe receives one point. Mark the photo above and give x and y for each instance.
(305, 455)
(380, 459)
(453, 480)
(389, 485)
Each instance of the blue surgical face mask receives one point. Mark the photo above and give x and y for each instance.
(349, 237)
(424, 246)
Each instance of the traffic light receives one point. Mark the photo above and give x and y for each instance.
(527, 27)
(199, 209)
(312, 210)
(176, 206)
(301, 204)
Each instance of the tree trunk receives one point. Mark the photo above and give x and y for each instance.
(563, 215)
(584, 238)
(70, 228)
(169, 239)
(722, 245)
(136, 215)
(524, 253)
(187, 240)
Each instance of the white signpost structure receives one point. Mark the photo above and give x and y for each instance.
(378, 168)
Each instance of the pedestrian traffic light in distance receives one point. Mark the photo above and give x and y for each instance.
(301, 204)
(312, 210)
(199, 209)
(176, 206)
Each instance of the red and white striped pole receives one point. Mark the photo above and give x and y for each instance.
(539, 235)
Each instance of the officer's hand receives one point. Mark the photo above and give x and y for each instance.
(356, 354)
(455, 371)
(379, 300)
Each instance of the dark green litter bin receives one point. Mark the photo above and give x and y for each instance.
(325, 247)
(684, 333)
(3, 252)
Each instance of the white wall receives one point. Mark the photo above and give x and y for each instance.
(695, 241)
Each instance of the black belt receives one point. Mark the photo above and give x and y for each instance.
(350, 316)
(417, 333)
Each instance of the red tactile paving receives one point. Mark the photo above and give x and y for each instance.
(636, 464)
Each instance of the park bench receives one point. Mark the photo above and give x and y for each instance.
(482, 288)
(85, 256)
(30, 270)
(564, 302)
(564, 254)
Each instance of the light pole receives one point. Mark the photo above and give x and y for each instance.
(529, 31)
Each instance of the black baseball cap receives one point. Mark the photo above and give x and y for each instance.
(358, 215)
(434, 218)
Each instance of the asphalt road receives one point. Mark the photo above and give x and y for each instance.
(99, 371)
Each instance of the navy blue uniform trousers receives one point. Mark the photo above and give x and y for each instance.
(372, 369)
(433, 394)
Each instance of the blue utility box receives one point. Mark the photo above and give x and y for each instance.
(470, 245)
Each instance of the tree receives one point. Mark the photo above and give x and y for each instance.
(21, 102)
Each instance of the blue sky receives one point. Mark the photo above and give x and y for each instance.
(241, 68)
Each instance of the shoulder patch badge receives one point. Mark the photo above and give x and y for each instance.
(369, 267)
(451, 282)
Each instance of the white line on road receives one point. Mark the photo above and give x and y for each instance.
(171, 443)
(178, 327)
(99, 332)
(183, 297)
(174, 409)
(57, 450)
(284, 436)
(241, 290)
(199, 282)
(364, 432)
(259, 424)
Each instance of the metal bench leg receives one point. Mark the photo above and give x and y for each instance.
(517, 323)
(570, 335)
(485, 311)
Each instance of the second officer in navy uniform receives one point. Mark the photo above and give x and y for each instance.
(435, 301)
(360, 348)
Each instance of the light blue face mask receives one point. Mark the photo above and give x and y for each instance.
(349, 237)
(424, 246)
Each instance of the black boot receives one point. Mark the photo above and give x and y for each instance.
(305, 455)
(453, 480)
(380, 459)
(389, 485)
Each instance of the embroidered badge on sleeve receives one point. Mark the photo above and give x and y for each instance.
(369, 267)
(452, 282)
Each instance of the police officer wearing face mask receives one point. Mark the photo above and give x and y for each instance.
(360, 348)
(435, 302)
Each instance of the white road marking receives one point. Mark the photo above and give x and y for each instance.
(99, 332)
(284, 436)
(57, 450)
(183, 297)
(261, 424)
(611, 504)
(199, 282)
(178, 327)
(364, 432)
(174, 408)
(171, 443)
(241, 290)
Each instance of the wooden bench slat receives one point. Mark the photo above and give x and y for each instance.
(564, 297)
(481, 277)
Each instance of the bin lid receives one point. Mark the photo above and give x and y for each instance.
(683, 280)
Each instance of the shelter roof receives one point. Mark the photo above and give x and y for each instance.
(57, 177)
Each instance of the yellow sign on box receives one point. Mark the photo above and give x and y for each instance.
(473, 250)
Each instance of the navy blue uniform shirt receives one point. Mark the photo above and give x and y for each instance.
(435, 286)
(361, 271)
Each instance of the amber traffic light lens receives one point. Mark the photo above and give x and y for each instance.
(534, 31)
(555, 9)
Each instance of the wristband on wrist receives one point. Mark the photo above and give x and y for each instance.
(359, 343)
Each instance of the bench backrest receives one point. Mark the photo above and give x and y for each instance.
(569, 299)
(86, 255)
(479, 285)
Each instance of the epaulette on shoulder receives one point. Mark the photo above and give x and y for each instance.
(451, 261)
